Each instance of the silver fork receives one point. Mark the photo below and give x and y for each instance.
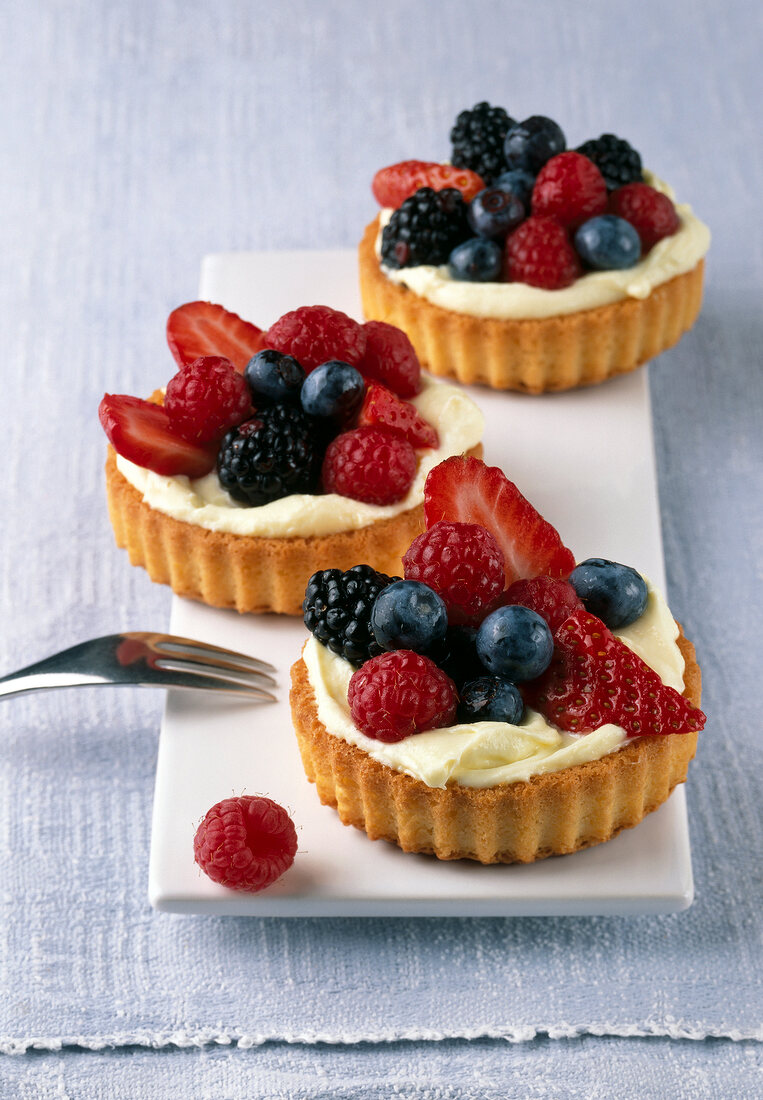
(147, 660)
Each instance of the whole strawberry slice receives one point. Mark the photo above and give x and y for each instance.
(467, 491)
(594, 679)
(140, 431)
(393, 185)
(203, 328)
(382, 407)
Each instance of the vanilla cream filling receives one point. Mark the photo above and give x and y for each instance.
(486, 754)
(205, 503)
(504, 301)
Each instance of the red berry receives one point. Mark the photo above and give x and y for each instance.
(315, 334)
(553, 600)
(463, 563)
(206, 398)
(382, 407)
(393, 185)
(539, 252)
(570, 188)
(203, 328)
(400, 693)
(141, 432)
(245, 843)
(651, 213)
(391, 359)
(374, 465)
(594, 679)
(466, 490)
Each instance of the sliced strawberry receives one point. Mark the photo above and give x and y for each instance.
(468, 491)
(594, 678)
(140, 431)
(393, 185)
(382, 406)
(203, 328)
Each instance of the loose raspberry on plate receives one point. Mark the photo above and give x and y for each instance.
(401, 693)
(206, 398)
(381, 407)
(554, 600)
(390, 358)
(141, 432)
(651, 213)
(393, 185)
(539, 253)
(571, 189)
(203, 328)
(463, 563)
(315, 334)
(374, 465)
(245, 843)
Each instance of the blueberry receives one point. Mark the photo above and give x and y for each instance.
(274, 375)
(608, 242)
(476, 261)
(515, 642)
(519, 182)
(491, 699)
(408, 615)
(333, 390)
(614, 593)
(531, 143)
(493, 212)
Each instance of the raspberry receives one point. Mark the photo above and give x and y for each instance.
(381, 407)
(206, 398)
(539, 252)
(245, 843)
(390, 358)
(393, 185)
(463, 563)
(570, 188)
(400, 693)
(374, 465)
(315, 334)
(553, 600)
(651, 213)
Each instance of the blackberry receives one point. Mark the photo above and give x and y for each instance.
(478, 137)
(425, 228)
(617, 161)
(273, 455)
(337, 610)
(457, 655)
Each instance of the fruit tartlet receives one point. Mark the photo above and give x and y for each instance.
(524, 265)
(270, 455)
(497, 703)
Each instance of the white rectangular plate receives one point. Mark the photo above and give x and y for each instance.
(586, 460)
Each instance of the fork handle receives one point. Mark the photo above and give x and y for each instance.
(26, 680)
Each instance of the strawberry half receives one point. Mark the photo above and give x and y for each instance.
(203, 328)
(393, 185)
(594, 678)
(467, 491)
(382, 407)
(140, 431)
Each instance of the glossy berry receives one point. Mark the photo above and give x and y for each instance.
(204, 328)
(315, 334)
(494, 212)
(554, 600)
(477, 140)
(275, 376)
(608, 243)
(245, 843)
(270, 456)
(206, 398)
(615, 593)
(569, 188)
(374, 465)
(425, 229)
(384, 408)
(401, 693)
(531, 143)
(651, 213)
(491, 699)
(337, 610)
(141, 432)
(616, 159)
(519, 182)
(515, 642)
(393, 185)
(457, 654)
(539, 253)
(409, 615)
(476, 261)
(390, 358)
(333, 391)
(463, 563)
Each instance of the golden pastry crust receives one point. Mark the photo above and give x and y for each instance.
(522, 822)
(533, 355)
